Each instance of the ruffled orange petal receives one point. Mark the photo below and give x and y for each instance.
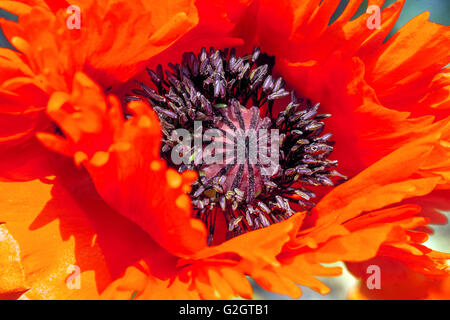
(140, 281)
(367, 239)
(436, 98)
(27, 161)
(216, 27)
(22, 104)
(368, 129)
(123, 160)
(46, 253)
(347, 230)
(135, 31)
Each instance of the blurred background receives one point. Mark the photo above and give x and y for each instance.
(439, 13)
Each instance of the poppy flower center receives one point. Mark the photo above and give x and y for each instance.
(218, 116)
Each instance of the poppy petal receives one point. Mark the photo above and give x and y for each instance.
(123, 160)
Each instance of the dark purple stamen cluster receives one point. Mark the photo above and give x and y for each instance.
(210, 87)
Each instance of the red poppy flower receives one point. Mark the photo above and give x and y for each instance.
(136, 227)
